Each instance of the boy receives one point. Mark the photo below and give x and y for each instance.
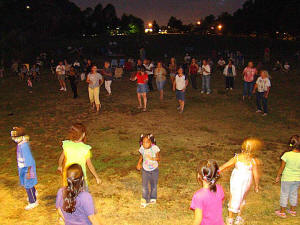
(262, 85)
(26, 165)
(179, 86)
(61, 76)
(206, 74)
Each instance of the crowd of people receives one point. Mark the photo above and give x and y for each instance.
(75, 204)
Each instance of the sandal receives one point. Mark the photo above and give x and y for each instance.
(292, 213)
(280, 214)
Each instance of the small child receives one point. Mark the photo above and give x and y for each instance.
(262, 85)
(75, 151)
(179, 85)
(150, 156)
(26, 165)
(106, 72)
(289, 172)
(246, 168)
(207, 202)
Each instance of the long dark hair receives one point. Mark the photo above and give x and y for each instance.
(75, 181)
(208, 170)
(294, 142)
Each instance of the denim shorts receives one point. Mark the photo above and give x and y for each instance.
(160, 85)
(180, 95)
(142, 88)
(61, 77)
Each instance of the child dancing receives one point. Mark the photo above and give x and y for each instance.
(26, 165)
(289, 172)
(207, 202)
(150, 156)
(246, 168)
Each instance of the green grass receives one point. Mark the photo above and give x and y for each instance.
(211, 127)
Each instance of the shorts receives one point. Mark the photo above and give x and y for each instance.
(180, 95)
(142, 88)
(160, 85)
(61, 77)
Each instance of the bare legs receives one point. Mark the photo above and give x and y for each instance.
(144, 96)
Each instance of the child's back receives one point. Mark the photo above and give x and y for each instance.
(291, 171)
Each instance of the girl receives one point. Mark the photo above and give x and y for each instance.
(241, 178)
(94, 80)
(26, 165)
(76, 151)
(193, 70)
(248, 76)
(262, 85)
(289, 172)
(108, 77)
(172, 69)
(179, 86)
(74, 205)
(142, 87)
(160, 75)
(207, 202)
(229, 73)
(150, 157)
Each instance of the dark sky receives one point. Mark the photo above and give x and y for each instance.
(161, 10)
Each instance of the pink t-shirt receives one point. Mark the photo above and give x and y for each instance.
(211, 205)
(249, 74)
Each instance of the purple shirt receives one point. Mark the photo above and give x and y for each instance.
(84, 208)
(211, 205)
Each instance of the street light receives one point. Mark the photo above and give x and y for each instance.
(198, 22)
(149, 25)
(27, 7)
(220, 27)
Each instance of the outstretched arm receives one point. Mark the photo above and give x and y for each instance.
(228, 164)
(92, 169)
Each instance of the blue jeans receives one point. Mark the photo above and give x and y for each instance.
(149, 177)
(160, 85)
(289, 190)
(206, 83)
(260, 98)
(248, 88)
(31, 193)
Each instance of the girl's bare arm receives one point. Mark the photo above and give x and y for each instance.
(92, 169)
(60, 161)
(280, 170)
(228, 164)
(198, 217)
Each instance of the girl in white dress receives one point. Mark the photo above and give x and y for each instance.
(245, 169)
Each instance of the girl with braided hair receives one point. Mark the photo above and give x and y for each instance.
(207, 202)
(245, 170)
(74, 204)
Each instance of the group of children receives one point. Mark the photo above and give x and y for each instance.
(74, 203)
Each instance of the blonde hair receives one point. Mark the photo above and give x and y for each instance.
(266, 73)
(251, 145)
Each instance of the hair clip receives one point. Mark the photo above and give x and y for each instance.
(291, 145)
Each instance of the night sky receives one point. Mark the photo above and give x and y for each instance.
(161, 10)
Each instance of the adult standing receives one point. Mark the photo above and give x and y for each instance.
(160, 75)
(248, 77)
(229, 73)
(95, 80)
(73, 81)
(149, 70)
(172, 69)
(61, 76)
(193, 70)
(206, 74)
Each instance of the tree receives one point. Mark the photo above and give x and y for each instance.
(175, 24)
(155, 27)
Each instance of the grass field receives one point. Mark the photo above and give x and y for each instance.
(211, 127)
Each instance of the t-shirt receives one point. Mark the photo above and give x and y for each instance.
(148, 164)
(291, 171)
(149, 68)
(60, 69)
(84, 208)
(207, 68)
(160, 74)
(211, 205)
(76, 153)
(95, 78)
(107, 71)
(141, 78)
(263, 84)
(180, 82)
(193, 69)
(249, 74)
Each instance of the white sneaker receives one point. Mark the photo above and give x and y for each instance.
(61, 89)
(208, 93)
(231, 89)
(238, 220)
(265, 114)
(31, 205)
(258, 111)
(152, 201)
(143, 203)
(202, 92)
(65, 89)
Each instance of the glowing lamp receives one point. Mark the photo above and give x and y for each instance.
(220, 27)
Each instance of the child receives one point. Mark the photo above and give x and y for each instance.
(245, 169)
(142, 87)
(74, 204)
(229, 73)
(26, 165)
(248, 77)
(290, 178)
(61, 76)
(150, 156)
(75, 151)
(108, 77)
(179, 86)
(193, 70)
(206, 74)
(262, 85)
(207, 202)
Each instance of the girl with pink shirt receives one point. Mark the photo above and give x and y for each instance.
(207, 202)
(248, 77)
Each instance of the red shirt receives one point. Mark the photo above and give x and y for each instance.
(249, 74)
(141, 77)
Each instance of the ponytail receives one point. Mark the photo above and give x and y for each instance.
(209, 172)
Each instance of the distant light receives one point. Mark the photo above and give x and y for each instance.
(148, 30)
(277, 32)
(149, 25)
(27, 7)
(198, 22)
(220, 26)
(212, 28)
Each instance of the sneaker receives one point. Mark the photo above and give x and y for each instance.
(202, 92)
(144, 110)
(229, 221)
(31, 206)
(152, 201)
(61, 89)
(238, 220)
(208, 93)
(258, 111)
(65, 89)
(280, 214)
(227, 89)
(265, 114)
(143, 203)
(231, 89)
(292, 213)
